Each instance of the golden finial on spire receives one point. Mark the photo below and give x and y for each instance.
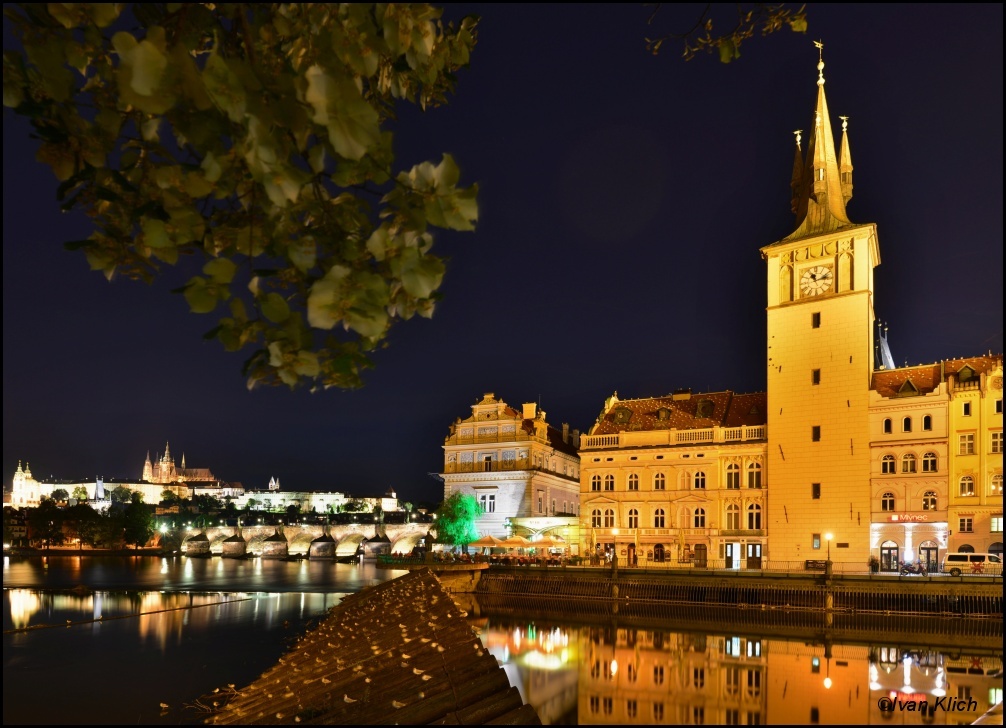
(799, 137)
(845, 123)
(820, 62)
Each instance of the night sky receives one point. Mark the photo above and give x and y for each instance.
(623, 200)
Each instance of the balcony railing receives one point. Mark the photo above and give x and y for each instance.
(518, 436)
(500, 466)
(652, 438)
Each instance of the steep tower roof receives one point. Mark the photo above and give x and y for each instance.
(819, 199)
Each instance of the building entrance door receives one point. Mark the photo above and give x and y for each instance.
(754, 556)
(701, 556)
(732, 552)
(889, 556)
(632, 554)
(929, 554)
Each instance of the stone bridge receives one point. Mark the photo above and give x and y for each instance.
(296, 540)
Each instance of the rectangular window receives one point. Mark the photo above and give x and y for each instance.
(967, 524)
(815, 542)
(815, 433)
(541, 500)
(966, 444)
(999, 406)
(815, 320)
(815, 376)
(997, 441)
(996, 524)
(815, 491)
(491, 504)
(967, 409)
(732, 717)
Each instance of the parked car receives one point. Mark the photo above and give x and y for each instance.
(975, 563)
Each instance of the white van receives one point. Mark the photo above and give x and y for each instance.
(978, 564)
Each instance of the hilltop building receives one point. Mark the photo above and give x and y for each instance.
(163, 470)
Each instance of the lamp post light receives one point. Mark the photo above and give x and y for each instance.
(827, 564)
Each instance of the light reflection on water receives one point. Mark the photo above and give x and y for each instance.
(172, 630)
(617, 676)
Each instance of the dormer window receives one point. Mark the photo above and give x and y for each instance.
(966, 374)
(663, 414)
(622, 415)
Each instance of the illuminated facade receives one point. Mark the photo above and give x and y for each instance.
(820, 358)
(908, 460)
(514, 463)
(677, 479)
(164, 470)
(975, 388)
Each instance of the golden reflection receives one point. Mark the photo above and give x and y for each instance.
(614, 675)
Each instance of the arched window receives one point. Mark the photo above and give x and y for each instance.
(927, 423)
(887, 501)
(609, 518)
(967, 485)
(699, 518)
(888, 426)
(633, 518)
(906, 424)
(908, 463)
(929, 464)
(888, 465)
(595, 518)
(658, 518)
(609, 482)
(595, 482)
(660, 481)
(733, 476)
(754, 475)
(754, 516)
(633, 481)
(929, 500)
(996, 484)
(733, 517)
(699, 481)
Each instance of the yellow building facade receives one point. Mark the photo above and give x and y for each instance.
(976, 454)
(676, 480)
(820, 359)
(909, 435)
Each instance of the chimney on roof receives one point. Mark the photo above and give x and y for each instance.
(529, 410)
(681, 394)
(576, 439)
(565, 432)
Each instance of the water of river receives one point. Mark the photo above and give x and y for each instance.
(149, 631)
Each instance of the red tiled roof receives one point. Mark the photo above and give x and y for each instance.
(927, 377)
(711, 409)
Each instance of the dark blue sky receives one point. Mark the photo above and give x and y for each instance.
(623, 200)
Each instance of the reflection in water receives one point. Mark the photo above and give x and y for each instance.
(597, 675)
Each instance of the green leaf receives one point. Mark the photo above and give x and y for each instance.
(353, 124)
(275, 308)
(201, 297)
(421, 274)
(220, 270)
(727, 49)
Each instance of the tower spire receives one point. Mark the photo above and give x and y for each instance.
(845, 161)
(820, 206)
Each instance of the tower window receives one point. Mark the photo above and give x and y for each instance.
(815, 376)
(815, 491)
(967, 409)
(815, 433)
(927, 423)
(815, 320)
(906, 424)
(888, 426)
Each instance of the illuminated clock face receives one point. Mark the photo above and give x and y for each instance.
(816, 280)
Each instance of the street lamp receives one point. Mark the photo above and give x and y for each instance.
(827, 537)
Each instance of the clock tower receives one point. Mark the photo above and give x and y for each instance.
(820, 361)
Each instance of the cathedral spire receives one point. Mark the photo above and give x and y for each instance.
(820, 206)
